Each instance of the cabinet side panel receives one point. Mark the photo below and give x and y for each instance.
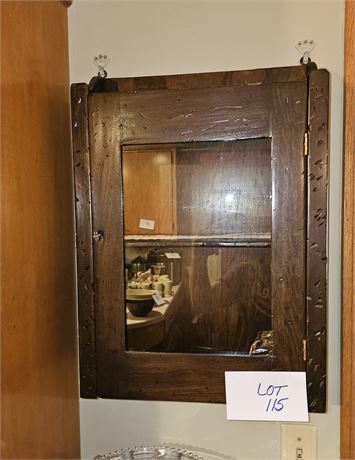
(81, 163)
(288, 223)
(316, 239)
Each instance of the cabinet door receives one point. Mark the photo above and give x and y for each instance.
(149, 191)
(245, 187)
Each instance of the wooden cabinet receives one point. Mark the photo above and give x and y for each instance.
(348, 252)
(229, 171)
(39, 370)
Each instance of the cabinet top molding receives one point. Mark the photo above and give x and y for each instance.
(253, 77)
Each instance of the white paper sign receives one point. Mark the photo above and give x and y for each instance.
(279, 396)
(146, 223)
(158, 299)
(172, 255)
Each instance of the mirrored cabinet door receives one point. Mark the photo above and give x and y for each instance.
(197, 232)
(201, 211)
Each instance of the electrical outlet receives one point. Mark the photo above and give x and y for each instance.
(299, 441)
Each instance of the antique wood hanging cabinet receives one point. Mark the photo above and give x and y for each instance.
(211, 191)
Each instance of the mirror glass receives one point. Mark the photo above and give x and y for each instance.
(197, 234)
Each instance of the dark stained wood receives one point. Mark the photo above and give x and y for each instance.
(85, 280)
(207, 107)
(348, 287)
(175, 376)
(191, 115)
(288, 223)
(197, 81)
(211, 80)
(317, 239)
(107, 216)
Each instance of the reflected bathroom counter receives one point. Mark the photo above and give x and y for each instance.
(155, 316)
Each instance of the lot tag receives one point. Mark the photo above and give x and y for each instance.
(279, 396)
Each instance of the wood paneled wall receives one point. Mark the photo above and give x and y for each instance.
(348, 333)
(39, 384)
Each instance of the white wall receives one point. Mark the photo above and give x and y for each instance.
(168, 37)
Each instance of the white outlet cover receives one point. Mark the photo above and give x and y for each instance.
(295, 436)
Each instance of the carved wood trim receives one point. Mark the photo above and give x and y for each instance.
(348, 288)
(82, 181)
(316, 297)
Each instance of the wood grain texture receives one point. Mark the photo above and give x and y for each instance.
(317, 239)
(348, 288)
(107, 218)
(84, 240)
(191, 115)
(252, 78)
(288, 222)
(39, 388)
(160, 116)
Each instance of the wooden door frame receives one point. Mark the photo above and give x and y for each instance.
(348, 281)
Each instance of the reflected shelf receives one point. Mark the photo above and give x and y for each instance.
(252, 240)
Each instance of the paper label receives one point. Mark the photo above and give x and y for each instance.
(146, 223)
(279, 396)
(172, 255)
(158, 299)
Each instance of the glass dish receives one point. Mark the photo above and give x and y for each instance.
(158, 452)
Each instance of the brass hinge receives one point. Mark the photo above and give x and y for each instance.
(304, 349)
(305, 143)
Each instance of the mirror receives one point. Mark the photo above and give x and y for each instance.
(197, 233)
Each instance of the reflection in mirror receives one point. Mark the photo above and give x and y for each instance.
(197, 220)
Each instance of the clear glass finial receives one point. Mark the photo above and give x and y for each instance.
(101, 61)
(305, 47)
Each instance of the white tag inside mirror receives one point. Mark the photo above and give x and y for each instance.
(172, 255)
(158, 299)
(147, 224)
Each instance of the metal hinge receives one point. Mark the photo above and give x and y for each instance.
(305, 143)
(304, 349)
